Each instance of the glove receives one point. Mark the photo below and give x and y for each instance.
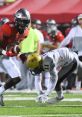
(7, 53)
(2, 52)
(42, 98)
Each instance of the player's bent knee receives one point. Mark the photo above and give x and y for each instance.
(16, 80)
(11, 82)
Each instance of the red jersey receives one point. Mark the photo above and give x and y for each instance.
(9, 35)
(58, 38)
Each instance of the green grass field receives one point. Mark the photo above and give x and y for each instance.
(24, 105)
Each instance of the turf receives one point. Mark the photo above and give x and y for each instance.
(31, 108)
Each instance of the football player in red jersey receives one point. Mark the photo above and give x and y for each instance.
(52, 35)
(10, 34)
(56, 37)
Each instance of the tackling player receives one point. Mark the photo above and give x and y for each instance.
(10, 34)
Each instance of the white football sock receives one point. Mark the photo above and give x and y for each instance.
(2, 89)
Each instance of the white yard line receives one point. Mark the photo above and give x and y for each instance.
(47, 115)
(32, 98)
(10, 116)
(73, 99)
(34, 91)
(19, 98)
(41, 104)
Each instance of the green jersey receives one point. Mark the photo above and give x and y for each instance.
(29, 44)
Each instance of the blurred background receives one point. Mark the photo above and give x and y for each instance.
(57, 15)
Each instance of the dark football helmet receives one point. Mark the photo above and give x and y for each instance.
(37, 21)
(37, 24)
(22, 19)
(51, 22)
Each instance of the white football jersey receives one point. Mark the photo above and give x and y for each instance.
(59, 57)
(53, 62)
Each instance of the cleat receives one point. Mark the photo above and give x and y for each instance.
(60, 98)
(54, 100)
